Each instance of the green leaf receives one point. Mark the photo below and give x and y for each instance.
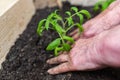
(81, 18)
(104, 6)
(68, 38)
(66, 47)
(49, 19)
(74, 9)
(58, 17)
(96, 8)
(54, 24)
(53, 44)
(70, 21)
(59, 29)
(68, 13)
(110, 1)
(47, 24)
(40, 27)
(55, 11)
(40, 31)
(86, 13)
(81, 29)
(57, 50)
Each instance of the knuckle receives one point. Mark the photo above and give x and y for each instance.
(59, 59)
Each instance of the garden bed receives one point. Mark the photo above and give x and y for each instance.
(26, 60)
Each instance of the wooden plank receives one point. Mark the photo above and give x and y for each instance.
(14, 17)
(40, 4)
(83, 2)
(5, 5)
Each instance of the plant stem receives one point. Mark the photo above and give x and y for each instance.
(70, 27)
(62, 38)
(71, 16)
(74, 14)
(63, 23)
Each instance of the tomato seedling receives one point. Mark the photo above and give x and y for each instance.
(55, 22)
(102, 5)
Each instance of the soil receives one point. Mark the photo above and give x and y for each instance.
(26, 60)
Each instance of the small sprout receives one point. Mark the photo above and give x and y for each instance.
(66, 47)
(85, 12)
(70, 21)
(68, 13)
(74, 9)
(80, 27)
(102, 5)
(40, 27)
(81, 18)
(68, 39)
(53, 44)
(54, 20)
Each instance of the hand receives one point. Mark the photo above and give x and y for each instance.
(99, 46)
(90, 54)
(104, 21)
(79, 58)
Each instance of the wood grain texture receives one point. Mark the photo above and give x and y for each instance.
(40, 4)
(13, 22)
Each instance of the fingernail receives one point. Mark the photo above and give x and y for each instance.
(47, 61)
(50, 71)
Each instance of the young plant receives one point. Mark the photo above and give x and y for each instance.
(55, 22)
(102, 5)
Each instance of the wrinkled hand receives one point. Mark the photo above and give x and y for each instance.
(99, 49)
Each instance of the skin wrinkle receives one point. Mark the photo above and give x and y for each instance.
(105, 53)
(84, 48)
(105, 46)
(99, 48)
(95, 52)
(72, 56)
(91, 59)
(112, 50)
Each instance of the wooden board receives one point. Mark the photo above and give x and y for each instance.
(14, 16)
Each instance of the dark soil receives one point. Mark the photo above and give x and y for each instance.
(26, 60)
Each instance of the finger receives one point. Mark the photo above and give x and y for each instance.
(105, 22)
(64, 67)
(74, 32)
(89, 23)
(110, 8)
(59, 59)
(76, 36)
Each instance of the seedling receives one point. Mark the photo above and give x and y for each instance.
(55, 22)
(102, 5)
